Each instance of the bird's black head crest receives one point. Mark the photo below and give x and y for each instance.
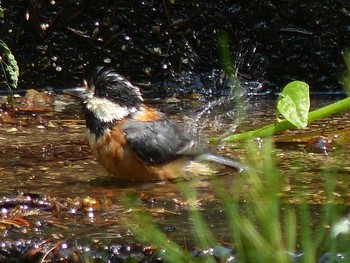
(107, 83)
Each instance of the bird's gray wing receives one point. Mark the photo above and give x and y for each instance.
(159, 141)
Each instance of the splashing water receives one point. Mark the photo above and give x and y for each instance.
(218, 110)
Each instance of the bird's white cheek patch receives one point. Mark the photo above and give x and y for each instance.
(106, 110)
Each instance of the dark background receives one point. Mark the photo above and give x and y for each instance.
(172, 46)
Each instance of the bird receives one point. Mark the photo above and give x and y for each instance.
(135, 142)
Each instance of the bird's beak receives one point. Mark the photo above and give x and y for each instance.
(82, 92)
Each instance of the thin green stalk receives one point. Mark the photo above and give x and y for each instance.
(230, 201)
(290, 227)
(306, 242)
(284, 125)
(145, 230)
(202, 234)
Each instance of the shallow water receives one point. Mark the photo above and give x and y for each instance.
(49, 177)
(54, 158)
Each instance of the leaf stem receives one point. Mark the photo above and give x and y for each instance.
(284, 125)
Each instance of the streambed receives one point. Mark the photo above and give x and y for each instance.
(58, 203)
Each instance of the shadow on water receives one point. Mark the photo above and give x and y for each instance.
(53, 194)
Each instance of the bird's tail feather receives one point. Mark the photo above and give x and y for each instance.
(221, 160)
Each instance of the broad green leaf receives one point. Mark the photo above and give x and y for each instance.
(9, 65)
(294, 103)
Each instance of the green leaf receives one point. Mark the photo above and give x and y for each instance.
(9, 65)
(294, 103)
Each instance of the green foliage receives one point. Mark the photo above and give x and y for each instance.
(294, 103)
(262, 228)
(230, 71)
(9, 65)
(284, 125)
(1, 12)
(259, 233)
(232, 79)
(225, 56)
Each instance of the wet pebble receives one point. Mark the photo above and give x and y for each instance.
(321, 144)
(11, 130)
(36, 99)
(333, 258)
(221, 253)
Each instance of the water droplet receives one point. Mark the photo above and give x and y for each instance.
(64, 246)
(44, 26)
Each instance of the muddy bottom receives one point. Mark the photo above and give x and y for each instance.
(57, 203)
